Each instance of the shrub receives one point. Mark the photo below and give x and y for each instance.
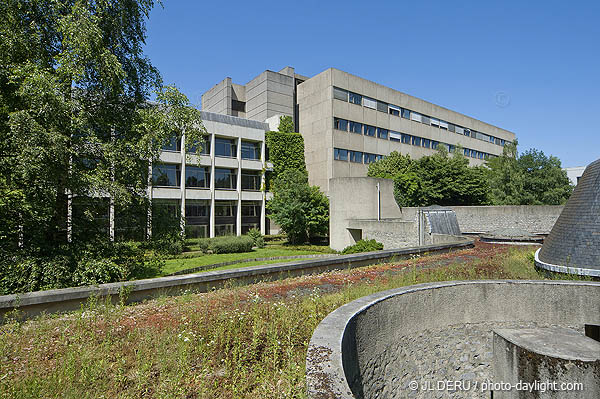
(259, 242)
(257, 238)
(363, 246)
(226, 244)
(169, 244)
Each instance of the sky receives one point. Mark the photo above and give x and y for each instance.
(531, 67)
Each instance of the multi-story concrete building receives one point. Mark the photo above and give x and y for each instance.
(223, 195)
(348, 122)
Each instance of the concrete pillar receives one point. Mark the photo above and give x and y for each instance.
(69, 216)
(111, 218)
(182, 186)
(239, 188)
(149, 194)
(211, 227)
(263, 212)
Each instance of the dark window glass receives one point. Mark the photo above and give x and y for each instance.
(451, 127)
(174, 144)
(416, 141)
(466, 152)
(197, 177)
(355, 127)
(425, 120)
(451, 148)
(225, 178)
(394, 112)
(434, 144)
(250, 180)
(196, 209)
(382, 107)
(250, 150)
(369, 130)
(382, 133)
(250, 209)
(444, 125)
(225, 208)
(467, 132)
(166, 175)
(370, 158)
(426, 143)
(340, 154)
(355, 98)
(340, 124)
(406, 138)
(405, 113)
(340, 94)
(239, 106)
(205, 146)
(356, 156)
(225, 147)
(224, 229)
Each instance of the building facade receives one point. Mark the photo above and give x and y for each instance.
(223, 195)
(348, 122)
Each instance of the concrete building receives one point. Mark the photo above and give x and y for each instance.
(224, 194)
(348, 122)
(574, 174)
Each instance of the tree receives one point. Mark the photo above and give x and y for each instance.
(301, 210)
(74, 115)
(285, 149)
(390, 166)
(531, 178)
(286, 124)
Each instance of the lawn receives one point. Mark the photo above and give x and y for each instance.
(239, 342)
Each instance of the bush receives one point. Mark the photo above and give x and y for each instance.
(257, 238)
(363, 246)
(168, 244)
(226, 244)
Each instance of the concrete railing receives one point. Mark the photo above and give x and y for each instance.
(59, 300)
(350, 351)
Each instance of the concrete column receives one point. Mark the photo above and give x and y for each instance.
(239, 188)
(182, 186)
(69, 216)
(211, 227)
(111, 218)
(149, 194)
(263, 210)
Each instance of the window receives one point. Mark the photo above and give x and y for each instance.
(416, 141)
(355, 127)
(197, 177)
(197, 209)
(174, 144)
(205, 146)
(460, 130)
(355, 98)
(369, 130)
(467, 132)
(251, 209)
(406, 138)
(340, 124)
(225, 147)
(250, 150)
(196, 231)
(405, 113)
(451, 148)
(340, 154)
(443, 125)
(250, 180)
(369, 103)
(382, 133)
(466, 152)
(451, 127)
(395, 136)
(166, 175)
(435, 122)
(239, 106)
(225, 209)
(370, 158)
(426, 143)
(434, 144)
(425, 120)
(224, 229)
(393, 110)
(415, 117)
(356, 156)
(382, 107)
(340, 94)
(225, 178)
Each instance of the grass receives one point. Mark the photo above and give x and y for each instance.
(256, 263)
(239, 342)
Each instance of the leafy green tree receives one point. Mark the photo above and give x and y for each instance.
(301, 210)
(531, 178)
(391, 166)
(286, 124)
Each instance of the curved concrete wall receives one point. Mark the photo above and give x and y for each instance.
(348, 350)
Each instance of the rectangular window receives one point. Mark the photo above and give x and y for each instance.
(443, 125)
(467, 132)
(459, 130)
(416, 141)
(434, 144)
(370, 158)
(393, 110)
(426, 143)
(205, 150)
(166, 175)
(405, 113)
(250, 150)
(225, 208)
(224, 230)
(239, 106)
(395, 136)
(196, 209)
(369, 103)
(197, 177)
(406, 138)
(415, 117)
(250, 180)
(466, 152)
(473, 154)
(174, 144)
(369, 130)
(250, 209)
(382, 133)
(225, 178)
(196, 231)
(356, 156)
(355, 98)
(340, 154)
(340, 94)
(451, 148)
(355, 127)
(425, 120)
(435, 122)
(225, 147)
(382, 107)
(340, 124)
(451, 127)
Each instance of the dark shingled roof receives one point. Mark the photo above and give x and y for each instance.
(575, 238)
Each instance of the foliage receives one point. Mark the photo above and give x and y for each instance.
(225, 244)
(286, 124)
(531, 178)
(301, 210)
(257, 238)
(363, 246)
(440, 179)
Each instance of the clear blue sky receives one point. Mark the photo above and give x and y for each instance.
(541, 59)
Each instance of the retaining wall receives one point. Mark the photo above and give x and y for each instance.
(354, 352)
